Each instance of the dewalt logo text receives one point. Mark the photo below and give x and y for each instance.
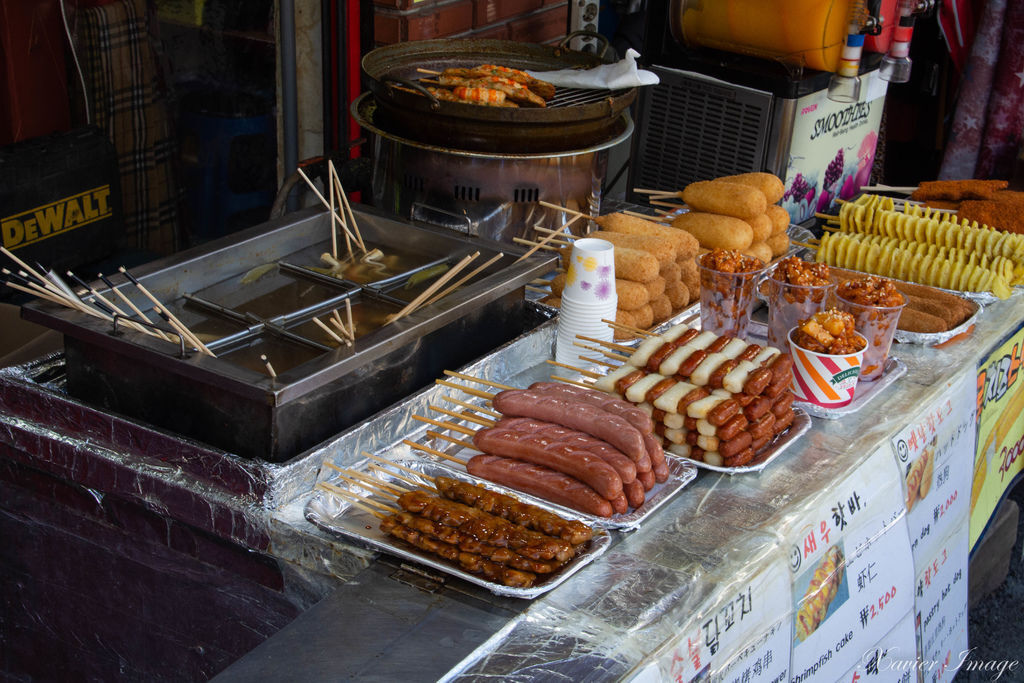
(66, 214)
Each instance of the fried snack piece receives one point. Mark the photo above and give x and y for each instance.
(685, 243)
(832, 332)
(1004, 212)
(661, 248)
(769, 183)
(678, 295)
(630, 264)
(761, 251)
(661, 308)
(655, 287)
(913, 320)
(778, 243)
(725, 198)
(690, 276)
(779, 217)
(671, 271)
(714, 230)
(820, 593)
(761, 226)
(957, 190)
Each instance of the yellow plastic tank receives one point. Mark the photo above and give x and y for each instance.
(803, 32)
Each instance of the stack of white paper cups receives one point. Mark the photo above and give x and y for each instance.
(589, 296)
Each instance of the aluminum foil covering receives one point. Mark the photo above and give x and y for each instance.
(338, 514)
(936, 338)
(865, 393)
(801, 423)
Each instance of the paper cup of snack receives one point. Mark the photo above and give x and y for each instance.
(590, 273)
(876, 306)
(728, 290)
(827, 357)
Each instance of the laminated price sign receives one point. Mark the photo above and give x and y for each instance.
(891, 660)
(935, 456)
(851, 571)
(940, 598)
(736, 635)
(1000, 443)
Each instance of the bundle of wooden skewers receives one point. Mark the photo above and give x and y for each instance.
(481, 531)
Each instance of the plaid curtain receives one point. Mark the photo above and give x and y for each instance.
(129, 101)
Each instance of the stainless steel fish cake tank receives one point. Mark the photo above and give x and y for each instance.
(255, 293)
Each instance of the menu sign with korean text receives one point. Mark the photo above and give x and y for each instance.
(891, 660)
(852, 572)
(935, 454)
(1000, 430)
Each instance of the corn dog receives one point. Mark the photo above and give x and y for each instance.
(760, 251)
(761, 225)
(643, 317)
(618, 222)
(678, 295)
(779, 218)
(655, 287)
(769, 184)
(725, 198)
(779, 244)
(671, 271)
(715, 231)
(913, 320)
(662, 248)
(661, 308)
(690, 276)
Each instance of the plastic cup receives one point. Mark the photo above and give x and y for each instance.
(576, 318)
(727, 300)
(590, 275)
(826, 380)
(878, 325)
(789, 304)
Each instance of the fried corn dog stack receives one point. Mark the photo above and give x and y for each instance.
(716, 399)
(820, 593)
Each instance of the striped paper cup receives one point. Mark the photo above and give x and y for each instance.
(824, 379)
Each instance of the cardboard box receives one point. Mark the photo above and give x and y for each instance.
(546, 26)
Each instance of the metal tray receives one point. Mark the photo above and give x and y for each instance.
(336, 515)
(801, 423)
(865, 393)
(681, 473)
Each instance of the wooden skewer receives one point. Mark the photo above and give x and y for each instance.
(383, 488)
(383, 470)
(805, 245)
(49, 296)
(888, 188)
(608, 344)
(328, 330)
(640, 190)
(429, 291)
(449, 437)
(659, 218)
(550, 237)
(561, 208)
(135, 309)
(358, 501)
(335, 218)
(171, 318)
(355, 479)
(628, 328)
(462, 416)
(30, 270)
(348, 207)
(334, 233)
(348, 316)
(536, 245)
(667, 205)
(598, 361)
(389, 463)
(429, 72)
(114, 307)
(469, 390)
(530, 288)
(571, 381)
(604, 352)
(53, 294)
(445, 425)
(268, 366)
(463, 280)
(471, 406)
(585, 373)
(336, 190)
(432, 451)
(478, 380)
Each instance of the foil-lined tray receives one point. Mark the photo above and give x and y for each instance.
(335, 514)
(801, 423)
(681, 473)
(865, 393)
(936, 338)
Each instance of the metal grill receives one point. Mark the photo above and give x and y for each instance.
(572, 97)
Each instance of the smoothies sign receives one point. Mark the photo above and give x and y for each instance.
(833, 149)
(1000, 444)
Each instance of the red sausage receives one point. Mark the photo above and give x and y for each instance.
(719, 344)
(691, 396)
(733, 427)
(757, 381)
(729, 449)
(629, 380)
(687, 367)
(620, 504)
(539, 481)
(575, 414)
(663, 352)
(758, 407)
(750, 352)
(643, 464)
(740, 459)
(660, 388)
(690, 423)
(557, 433)
(635, 493)
(561, 457)
(718, 374)
(606, 402)
(782, 404)
(647, 479)
(723, 412)
(782, 364)
(758, 444)
(763, 426)
(657, 455)
(782, 423)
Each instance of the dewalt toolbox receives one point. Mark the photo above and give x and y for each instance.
(60, 198)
